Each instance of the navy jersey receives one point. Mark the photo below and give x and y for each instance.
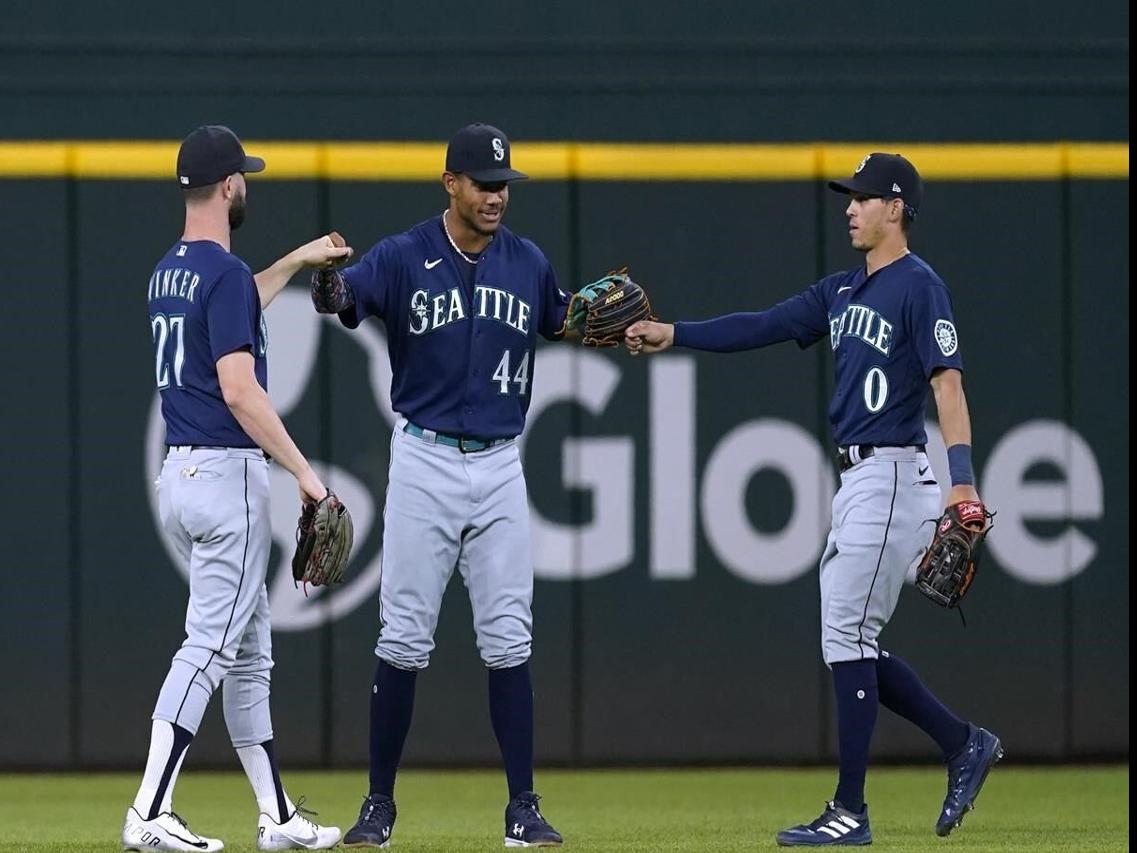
(203, 305)
(461, 349)
(888, 331)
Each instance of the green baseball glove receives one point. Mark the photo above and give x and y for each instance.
(578, 304)
(324, 535)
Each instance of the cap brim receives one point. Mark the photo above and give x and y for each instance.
(493, 176)
(253, 164)
(854, 186)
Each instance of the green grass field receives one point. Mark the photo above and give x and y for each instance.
(1033, 809)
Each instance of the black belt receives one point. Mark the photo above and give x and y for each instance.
(849, 456)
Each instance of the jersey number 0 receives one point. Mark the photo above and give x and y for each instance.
(876, 389)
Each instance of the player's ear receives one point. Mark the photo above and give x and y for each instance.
(450, 183)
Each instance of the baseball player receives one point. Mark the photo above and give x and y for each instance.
(891, 329)
(209, 361)
(463, 300)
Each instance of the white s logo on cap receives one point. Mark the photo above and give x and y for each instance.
(498, 149)
(857, 170)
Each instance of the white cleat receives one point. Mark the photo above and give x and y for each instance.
(165, 832)
(296, 833)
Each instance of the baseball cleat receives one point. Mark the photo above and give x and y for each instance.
(836, 827)
(967, 771)
(525, 826)
(375, 824)
(296, 833)
(165, 832)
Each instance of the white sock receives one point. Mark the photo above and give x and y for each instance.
(264, 780)
(161, 748)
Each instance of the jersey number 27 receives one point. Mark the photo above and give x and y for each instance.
(169, 332)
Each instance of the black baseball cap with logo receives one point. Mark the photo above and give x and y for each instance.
(212, 153)
(482, 152)
(885, 176)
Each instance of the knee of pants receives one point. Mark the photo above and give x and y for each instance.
(402, 654)
(504, 658)
(245, 702)
(214, 666)
(847, 639)
(850, 627)
(843, 649)
(258, 664)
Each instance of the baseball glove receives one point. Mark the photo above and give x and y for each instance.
(578, 304)
(948, 567)
(324, 535)
(610, 312)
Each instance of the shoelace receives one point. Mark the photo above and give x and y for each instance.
(182, 821)
(300, 807)
(827, 815)
(371, 807)
(303, 812)
(530, 803)
(957, 785)
(957, 777)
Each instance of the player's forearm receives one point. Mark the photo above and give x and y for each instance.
(330, 292)
(254, 411)
(951, 404)
(732, 332)
(272, 280)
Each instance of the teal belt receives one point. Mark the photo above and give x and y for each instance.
(463, 443)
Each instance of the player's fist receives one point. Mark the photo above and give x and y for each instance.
(327, 251)
(648, 336)
(339, 248)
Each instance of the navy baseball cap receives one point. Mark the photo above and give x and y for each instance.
(212, 153)
(482, 152)
(885, 176)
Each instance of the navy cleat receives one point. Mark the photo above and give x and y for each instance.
(376, 821)
(525, 826)
(837, 826)
(967, 771)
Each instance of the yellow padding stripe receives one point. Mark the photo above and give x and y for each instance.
(423, 161)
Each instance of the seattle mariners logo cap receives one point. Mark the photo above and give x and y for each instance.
(212, 153)
(482, 152)
(885, 176)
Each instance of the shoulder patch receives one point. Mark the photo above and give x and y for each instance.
(946, 338)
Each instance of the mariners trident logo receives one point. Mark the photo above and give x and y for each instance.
(857, 170)
(498, 149)
(946, 337)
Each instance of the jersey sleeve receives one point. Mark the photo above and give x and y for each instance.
(370, 282)
(231, 313)
(554, 305)
(803, 318)
(932, 329)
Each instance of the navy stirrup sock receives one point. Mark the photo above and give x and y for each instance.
(511, 711)
(903, 693)
(855, 686)
(281, 801)
(392, 703)
(182, 738)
